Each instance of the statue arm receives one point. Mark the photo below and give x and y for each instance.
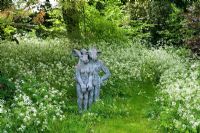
(78, 77)
(106, 71)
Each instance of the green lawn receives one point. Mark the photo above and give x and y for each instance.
(130, 115)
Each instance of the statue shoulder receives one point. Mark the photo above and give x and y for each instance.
(78, 67)
(100, 63)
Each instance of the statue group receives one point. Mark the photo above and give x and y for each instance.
(88, 80)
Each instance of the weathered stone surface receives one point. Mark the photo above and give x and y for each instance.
(87, 77)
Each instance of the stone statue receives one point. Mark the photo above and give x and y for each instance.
(83, 78)
(97, 66)
(87, 77)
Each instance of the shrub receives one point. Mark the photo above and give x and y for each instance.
(7, 89)
(104, 25)
(177, 102)
(40, 95)
(180, 94)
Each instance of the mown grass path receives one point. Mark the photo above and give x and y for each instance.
(138, 97)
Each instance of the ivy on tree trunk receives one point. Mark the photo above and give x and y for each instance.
(71, 16)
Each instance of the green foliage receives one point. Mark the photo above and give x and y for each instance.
(39, 95)
(72, 11)
(53, 26)
(155, 22)
(43, 95)
(7, 32)
(104, 25)
(158, 12)
(193, 18)
(43, 76)
(5, 4)
(7, 89)
(140, 30)
(183, 3)
(176, 30)
(139, 9)
(159, 22)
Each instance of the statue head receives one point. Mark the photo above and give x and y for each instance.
(82, 54)
(93, 54)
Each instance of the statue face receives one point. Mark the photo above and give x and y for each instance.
(93, 54)
(84, 58)
(82, 54)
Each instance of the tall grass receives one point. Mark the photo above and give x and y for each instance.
(43, 74)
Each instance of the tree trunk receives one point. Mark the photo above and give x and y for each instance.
(71, 16)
